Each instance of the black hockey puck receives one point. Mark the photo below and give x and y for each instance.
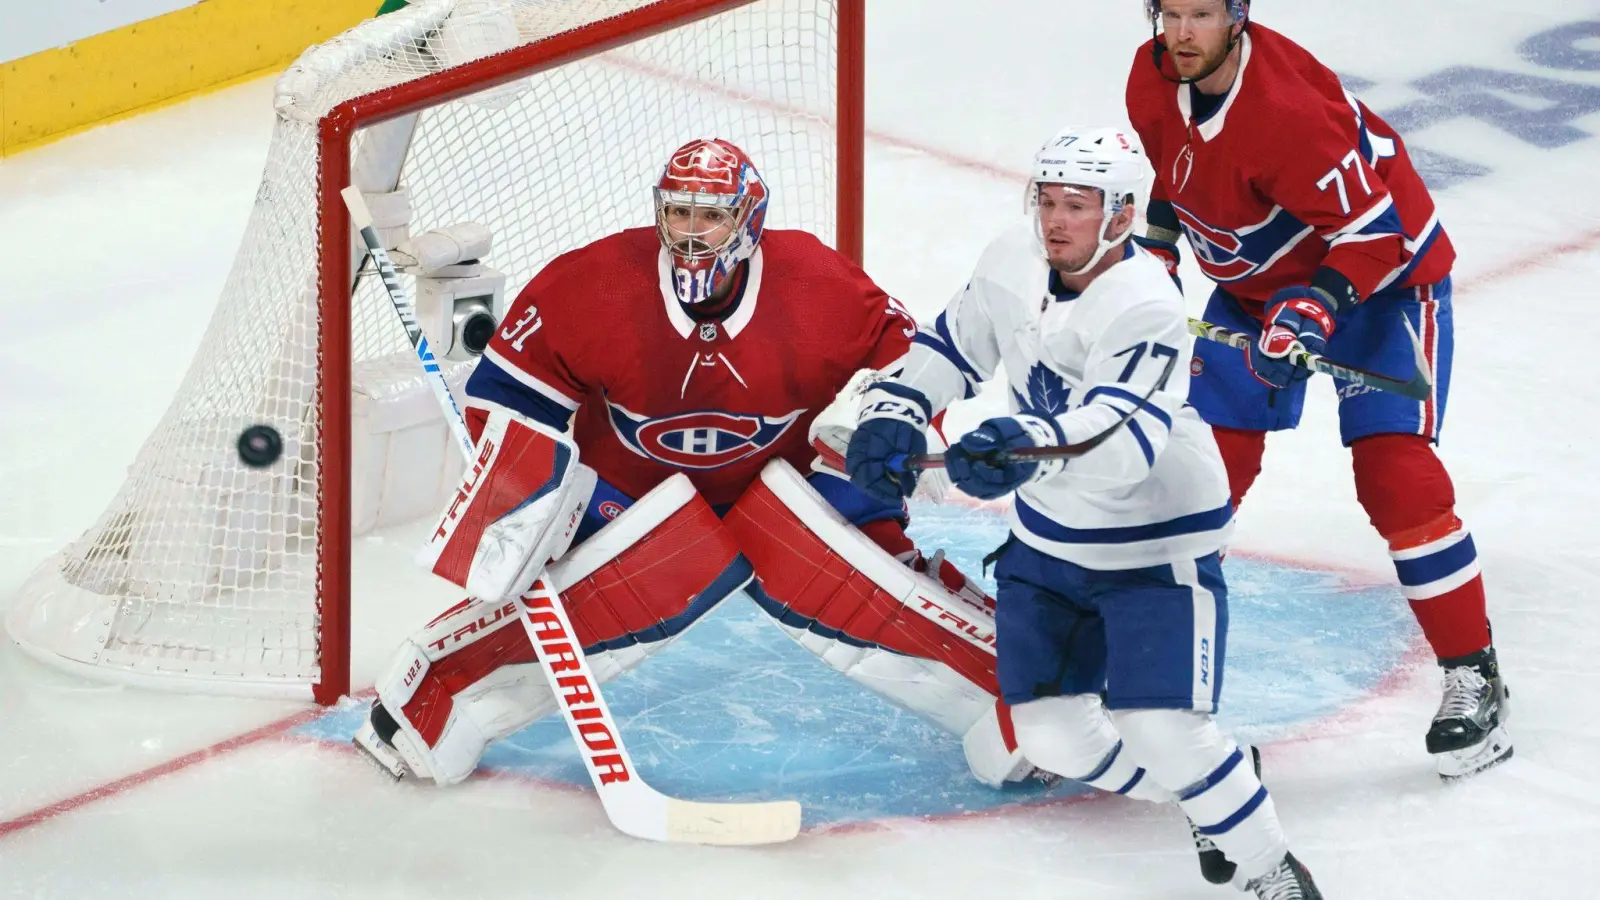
(260, 446)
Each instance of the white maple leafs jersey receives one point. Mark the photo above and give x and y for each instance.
(1153, 493)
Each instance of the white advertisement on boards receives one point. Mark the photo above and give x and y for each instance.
(29, 26)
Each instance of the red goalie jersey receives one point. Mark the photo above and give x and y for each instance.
(1289, 173)
(600, 338)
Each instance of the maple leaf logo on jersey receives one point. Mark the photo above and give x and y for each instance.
(1226, 255)
(703, 439)
(1048, 394)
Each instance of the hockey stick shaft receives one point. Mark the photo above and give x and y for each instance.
(633, 806)
(1418, 387)
(406, 308)
(1057, 451)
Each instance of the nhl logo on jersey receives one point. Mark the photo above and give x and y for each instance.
(708, 331)
(704, 439)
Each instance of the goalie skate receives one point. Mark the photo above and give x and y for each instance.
(377, 750)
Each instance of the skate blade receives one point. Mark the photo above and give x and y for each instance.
(378, 753)
(1490, 752)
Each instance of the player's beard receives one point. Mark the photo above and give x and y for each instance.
(1209, 62)
(1077, 257)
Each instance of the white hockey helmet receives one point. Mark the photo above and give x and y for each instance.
(1105, 158)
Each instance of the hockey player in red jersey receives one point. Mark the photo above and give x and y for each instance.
(639, 420)
(1305, 209)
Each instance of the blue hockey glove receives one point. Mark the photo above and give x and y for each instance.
(980, 464)
(1165, 251)
(1296, 317)
(891, 426)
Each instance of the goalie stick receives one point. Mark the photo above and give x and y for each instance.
(633, 806)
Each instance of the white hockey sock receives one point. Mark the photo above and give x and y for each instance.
(1072, 737)
(1215, 782)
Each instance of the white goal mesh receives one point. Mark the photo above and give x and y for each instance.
(205, 574)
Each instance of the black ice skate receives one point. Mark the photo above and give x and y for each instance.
(1289, 881)
(1215, 866)
(1468, 733)
(375, 740)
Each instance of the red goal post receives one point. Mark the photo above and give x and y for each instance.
(204, 575)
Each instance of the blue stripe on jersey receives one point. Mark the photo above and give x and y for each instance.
(1107, 390)
(940, 347)
(942, 326)
(491, 383)
(1434, 566)
(1144, 442)
(1387, 222)
(1051, 530)
(1416, 260)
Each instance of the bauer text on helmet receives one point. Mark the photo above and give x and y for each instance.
(711, 206)
(1085, 188)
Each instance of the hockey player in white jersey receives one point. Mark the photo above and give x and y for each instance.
(1110, 584)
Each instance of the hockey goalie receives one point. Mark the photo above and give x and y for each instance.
(642, 421)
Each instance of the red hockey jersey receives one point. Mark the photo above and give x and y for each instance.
(1289, 173)
(598, 335)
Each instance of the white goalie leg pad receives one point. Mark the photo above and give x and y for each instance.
(471, 678)
(459, 683)
(851, 604)
(1074, 738)
(1215, 783)
(517, 508)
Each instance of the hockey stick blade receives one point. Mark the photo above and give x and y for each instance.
(633, 807)
(1418, 387)
(1058, 451)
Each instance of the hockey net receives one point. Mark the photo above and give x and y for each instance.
(206, 574)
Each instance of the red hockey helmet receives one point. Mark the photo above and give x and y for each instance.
(711, 207)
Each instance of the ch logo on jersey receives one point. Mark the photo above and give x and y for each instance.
(704, 439)
(1048, 394)
(1227, 255)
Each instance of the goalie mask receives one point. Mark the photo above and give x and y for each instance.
(711, 207)
(1104, 161)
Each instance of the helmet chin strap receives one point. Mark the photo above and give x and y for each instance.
(1104, 248)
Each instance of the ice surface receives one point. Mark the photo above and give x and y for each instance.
(116, 244)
